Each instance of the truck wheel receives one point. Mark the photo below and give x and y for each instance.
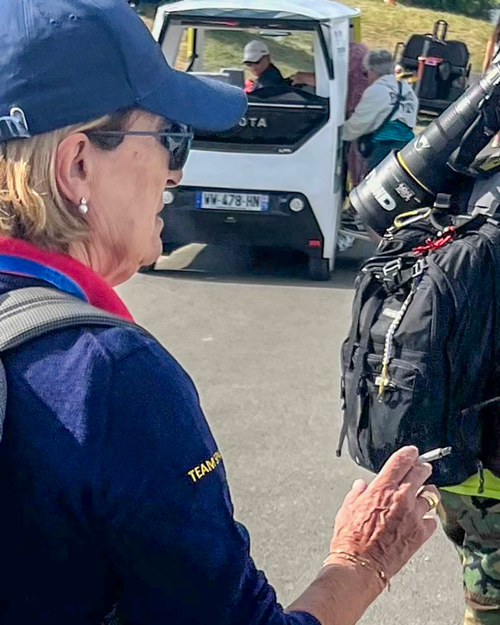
(319, 269)
(147, 268)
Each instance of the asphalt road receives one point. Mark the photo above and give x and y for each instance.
(262, 345)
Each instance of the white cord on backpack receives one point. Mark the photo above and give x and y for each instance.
(385, 379)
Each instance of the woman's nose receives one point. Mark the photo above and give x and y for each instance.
(174, 178)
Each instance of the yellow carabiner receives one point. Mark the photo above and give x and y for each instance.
(419, 213)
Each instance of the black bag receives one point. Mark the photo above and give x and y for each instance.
(366, 144)
(423, 346)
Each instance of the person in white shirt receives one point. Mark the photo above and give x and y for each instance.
(372, 115)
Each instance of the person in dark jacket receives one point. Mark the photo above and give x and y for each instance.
(257, 58)
(115, 503)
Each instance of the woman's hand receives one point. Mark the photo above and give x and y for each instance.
(385, 522)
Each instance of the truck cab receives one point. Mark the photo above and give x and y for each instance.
(275, 179)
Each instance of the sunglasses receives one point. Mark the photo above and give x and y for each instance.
(177, 141)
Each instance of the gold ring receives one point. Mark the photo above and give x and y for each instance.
(431, 498)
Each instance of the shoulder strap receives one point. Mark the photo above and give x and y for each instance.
(26, 314)
(394, 108)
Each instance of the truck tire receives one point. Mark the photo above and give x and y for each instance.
(319, 269)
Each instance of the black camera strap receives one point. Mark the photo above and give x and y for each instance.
(366, 142)
(394, 110)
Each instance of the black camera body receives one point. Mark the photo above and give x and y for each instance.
(429, 165)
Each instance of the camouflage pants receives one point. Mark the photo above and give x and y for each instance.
(473, 525)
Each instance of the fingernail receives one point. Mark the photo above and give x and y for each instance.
(410, 449)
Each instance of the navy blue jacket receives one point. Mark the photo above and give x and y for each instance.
(112, 489)
(271, 77)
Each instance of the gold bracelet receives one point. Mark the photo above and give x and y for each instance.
(365, 563)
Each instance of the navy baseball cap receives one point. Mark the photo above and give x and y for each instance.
(65, 62)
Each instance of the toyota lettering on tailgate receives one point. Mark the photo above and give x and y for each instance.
(253, 122)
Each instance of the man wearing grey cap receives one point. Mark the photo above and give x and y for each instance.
(257, 58)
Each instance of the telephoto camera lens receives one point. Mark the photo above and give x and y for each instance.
(411, 179)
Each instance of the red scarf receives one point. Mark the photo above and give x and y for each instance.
(21, 258)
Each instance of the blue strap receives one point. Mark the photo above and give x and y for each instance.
(31, 269)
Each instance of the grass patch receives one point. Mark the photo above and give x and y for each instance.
(291, 53)
(382, 27)
(148, 13)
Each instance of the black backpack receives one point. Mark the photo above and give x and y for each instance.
(421, 357)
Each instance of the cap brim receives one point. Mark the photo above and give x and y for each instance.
(203, 103)
(252, 59)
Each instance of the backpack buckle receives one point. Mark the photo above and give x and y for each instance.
(391, 269)
(395, 275)
(418, 268)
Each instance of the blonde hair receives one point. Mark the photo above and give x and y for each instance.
(31, 205)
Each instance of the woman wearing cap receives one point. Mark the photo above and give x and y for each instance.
(114, 495)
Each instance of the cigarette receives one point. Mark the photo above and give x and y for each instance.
(435, 454)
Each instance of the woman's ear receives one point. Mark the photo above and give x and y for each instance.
(73, 167)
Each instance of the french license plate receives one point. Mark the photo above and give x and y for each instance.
(232, 201)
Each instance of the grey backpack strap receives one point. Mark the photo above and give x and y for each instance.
(26, 314)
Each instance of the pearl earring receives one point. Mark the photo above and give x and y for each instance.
(83, 208)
